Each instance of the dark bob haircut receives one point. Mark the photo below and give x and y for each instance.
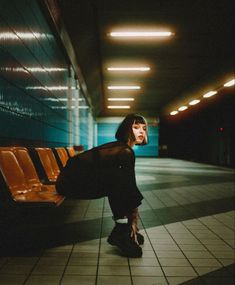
(124, 132)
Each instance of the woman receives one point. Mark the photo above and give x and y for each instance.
(109, 170)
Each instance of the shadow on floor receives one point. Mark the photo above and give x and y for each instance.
(30, 231)
(221, 276)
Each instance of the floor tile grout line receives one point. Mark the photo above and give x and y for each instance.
(85, 212)
(232, 229)
(129, 266)
(201, 222)
(154, 250)
(66, 265)
(200, 240)
(30, 273)
(218, 235)
(207, 228)
(100, 237)
(178, 247)
(181, 250)
(164, 202)
(203, 245)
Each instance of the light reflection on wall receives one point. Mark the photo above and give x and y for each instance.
(22, 35)
(32, 68)
(53, 88)
(34, 80)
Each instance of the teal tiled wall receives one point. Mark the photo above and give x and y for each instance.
(33, 77)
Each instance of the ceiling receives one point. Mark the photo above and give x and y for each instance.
(197, 58)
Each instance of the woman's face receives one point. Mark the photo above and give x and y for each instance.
(139, 131)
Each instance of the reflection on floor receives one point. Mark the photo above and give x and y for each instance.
(187, 218)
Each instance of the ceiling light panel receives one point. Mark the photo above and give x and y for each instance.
(122, 87)
(194, 102)
(209, 94)
(229, 83)
(135, 69)
(121, 99)
(182, 108)
(145, 34)
(119, 107)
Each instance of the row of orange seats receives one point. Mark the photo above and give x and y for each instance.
(28, 175)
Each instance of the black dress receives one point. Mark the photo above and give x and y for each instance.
(106, 170)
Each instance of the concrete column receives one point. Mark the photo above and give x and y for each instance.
(76, 114)
(69, 105)
(90, 130)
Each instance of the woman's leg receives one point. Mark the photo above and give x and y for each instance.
(122, 233)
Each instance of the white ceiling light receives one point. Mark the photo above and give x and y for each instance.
(173, 113)
(121, 99)
(119, 107)
(143, 68)
(209, 94)
(229, 83)
(128, 34)
(123, 87)
(194, 102)
(182, 108)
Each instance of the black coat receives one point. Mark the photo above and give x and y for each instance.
(101, 171)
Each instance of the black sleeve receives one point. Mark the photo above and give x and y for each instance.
(79, 178)
(66, 183)
(127, 165)
(125, 195)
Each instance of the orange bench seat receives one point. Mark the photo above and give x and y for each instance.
(20, 181)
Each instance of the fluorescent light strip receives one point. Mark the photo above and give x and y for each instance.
(194, 102)
(209, 94)
(182, 108)
(123, 87)
(119, 107)
(128, 68)
(71, 107)
(173, 113)
(141, 34)
(121, 99)
(229, 83)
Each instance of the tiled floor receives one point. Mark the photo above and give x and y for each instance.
(187, 218)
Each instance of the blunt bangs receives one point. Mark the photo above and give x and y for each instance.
(124, 131)
(139, 120)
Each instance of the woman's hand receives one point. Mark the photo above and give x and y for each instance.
(133, 219)
(134, 231)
